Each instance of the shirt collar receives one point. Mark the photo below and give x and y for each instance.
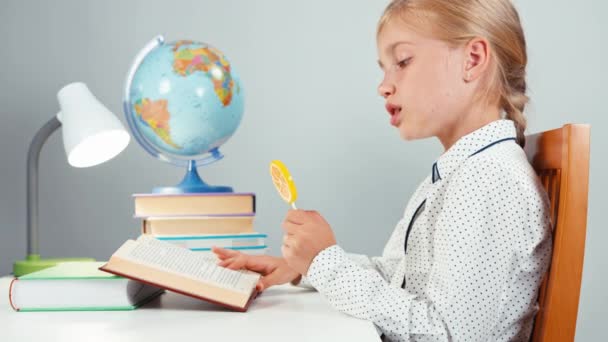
(471, 144)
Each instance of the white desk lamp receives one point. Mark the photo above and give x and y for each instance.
(91, 136)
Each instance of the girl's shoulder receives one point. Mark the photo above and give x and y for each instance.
(504, 166)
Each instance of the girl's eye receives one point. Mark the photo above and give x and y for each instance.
(403, 63)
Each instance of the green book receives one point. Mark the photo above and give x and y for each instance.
(78, 286)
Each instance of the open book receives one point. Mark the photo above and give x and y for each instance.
(180, 270)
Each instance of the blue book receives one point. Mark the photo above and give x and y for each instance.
(242, 242)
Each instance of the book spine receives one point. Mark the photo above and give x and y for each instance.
(216, 237)
(197, 216)
(197, 225)
(253, 294)
(145, 226)
(156, 208)
(143, 215)
(10, 294)
(206, 194)
(243, 249)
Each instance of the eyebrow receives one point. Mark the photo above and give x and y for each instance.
(392, 47)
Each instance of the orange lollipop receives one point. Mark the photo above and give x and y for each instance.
(282, 180)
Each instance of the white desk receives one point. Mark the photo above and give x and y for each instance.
(282, 313)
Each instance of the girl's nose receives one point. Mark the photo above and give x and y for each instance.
(385, 90)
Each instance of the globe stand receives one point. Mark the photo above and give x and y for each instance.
(192, 183)
(207, 114)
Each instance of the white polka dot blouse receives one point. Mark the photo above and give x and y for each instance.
(466, 260)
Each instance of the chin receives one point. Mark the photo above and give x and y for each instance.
(409, 134)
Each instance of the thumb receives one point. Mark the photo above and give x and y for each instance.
(269, 280)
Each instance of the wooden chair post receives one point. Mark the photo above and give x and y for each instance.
(561, 159)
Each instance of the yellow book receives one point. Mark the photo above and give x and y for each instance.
(197, 225)
(210, 204)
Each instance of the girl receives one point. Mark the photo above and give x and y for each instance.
(466, 260)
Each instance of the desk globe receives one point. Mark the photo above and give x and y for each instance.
(182, 101)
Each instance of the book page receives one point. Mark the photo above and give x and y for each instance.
(177, 260)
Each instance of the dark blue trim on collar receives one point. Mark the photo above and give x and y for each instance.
(492, 144)
(407, 234)
(435, 173)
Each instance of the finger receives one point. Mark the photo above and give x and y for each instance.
(296, 216)
(290, 241)
(289, 257)
(223, 256)
(314, 213)
(270, 280)
(232, 264)
(286, 252)
(263, 264)
(240, 261)
(224, 263)
(287, 241)
(257, 263)
(223, 251)
(289, 227)
(259, 286)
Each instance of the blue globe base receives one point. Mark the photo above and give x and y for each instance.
(192, 183)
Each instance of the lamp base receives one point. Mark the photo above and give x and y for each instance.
(33, 263)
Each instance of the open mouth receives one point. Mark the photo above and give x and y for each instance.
(394, 111)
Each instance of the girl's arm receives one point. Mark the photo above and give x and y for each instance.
(384, 265)
(492, 233)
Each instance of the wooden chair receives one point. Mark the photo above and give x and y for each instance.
(561, 159)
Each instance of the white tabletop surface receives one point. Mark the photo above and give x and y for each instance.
(282, 313)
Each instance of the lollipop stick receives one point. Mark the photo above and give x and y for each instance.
(293, 205)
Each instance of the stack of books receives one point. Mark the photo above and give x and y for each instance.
(202, 220)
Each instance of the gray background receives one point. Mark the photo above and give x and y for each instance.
(310, 73)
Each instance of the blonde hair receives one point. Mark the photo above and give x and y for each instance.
(458, 21)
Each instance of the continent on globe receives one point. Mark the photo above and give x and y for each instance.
(156, 115)
(210, 61)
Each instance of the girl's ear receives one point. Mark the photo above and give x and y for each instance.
(477, 58)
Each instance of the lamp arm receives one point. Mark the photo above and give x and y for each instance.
(33, 155)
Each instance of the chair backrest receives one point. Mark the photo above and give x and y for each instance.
(560, 157)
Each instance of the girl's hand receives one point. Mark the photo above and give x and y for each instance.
(274, 270)
(306, 234)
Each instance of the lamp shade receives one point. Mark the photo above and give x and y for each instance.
(91, 133)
